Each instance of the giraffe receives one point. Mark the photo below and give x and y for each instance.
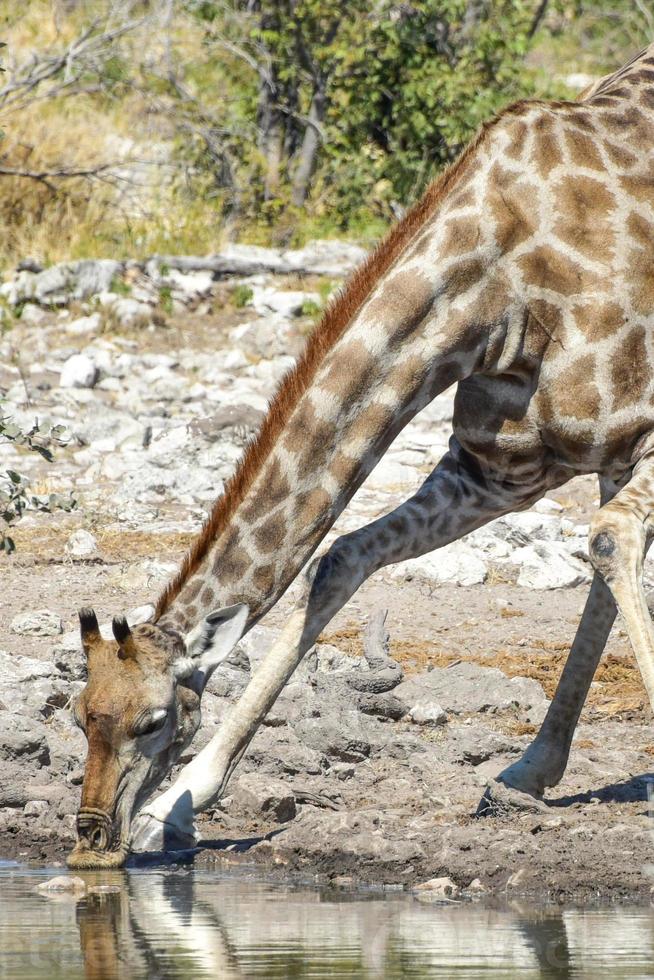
(523, 276)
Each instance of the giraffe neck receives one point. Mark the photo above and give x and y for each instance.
(418, 331)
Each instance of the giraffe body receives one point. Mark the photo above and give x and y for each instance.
(525, 275)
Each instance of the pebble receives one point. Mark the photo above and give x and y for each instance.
(81, 544)
(85, 325)
(429, 714)
(79, 371)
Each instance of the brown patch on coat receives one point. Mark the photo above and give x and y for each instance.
(270, 535)
(263, 578)
(517, 133)
(597, 320)
(641, 230)
(547, 268)
(347, 375)
(462, 276)
(574, 393)
(586, 207)
(619, 155)
(514, 217)
(310, 507)
(640, 187)
(404, 302)
(370, 423)
(630, 369)
(343, 468)
(546, 154)
(583, 150)
(461, 235)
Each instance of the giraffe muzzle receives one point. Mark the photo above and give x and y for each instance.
(98, 844)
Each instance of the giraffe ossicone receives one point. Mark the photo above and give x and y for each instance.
(524, 275)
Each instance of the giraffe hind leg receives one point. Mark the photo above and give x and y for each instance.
(544, 762)
(619, 536)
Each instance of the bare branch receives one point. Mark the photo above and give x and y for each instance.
(541, 10)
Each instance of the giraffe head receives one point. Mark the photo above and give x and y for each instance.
(139, 710)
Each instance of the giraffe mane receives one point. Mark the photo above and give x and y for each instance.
(336, 318)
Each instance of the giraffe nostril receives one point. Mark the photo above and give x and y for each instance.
(98, 839)
(94, 831)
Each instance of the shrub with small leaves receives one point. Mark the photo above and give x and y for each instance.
(15, 497)
(242, 295)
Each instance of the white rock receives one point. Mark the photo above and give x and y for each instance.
(548, 565)
(82, 544)
(79, 371)
(441, 887)
(546, 506)
(42, 622)
(63, 883)
(18, 670)
(285, 302)
(389, 473)
(35, 808)
(85, 325)
(456, 563)
(128, 310)
(526, 526)
(32, 314)
(428, 713)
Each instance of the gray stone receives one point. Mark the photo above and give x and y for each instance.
(287, 303)
(93, 276)
(41, 622)
(383, 705)
(23, 738)
(436, 889)
(84, 325)
(264, 797)
(64, 883)
(36, 808)
(469, 688)
(330, 738)
(32, 314)
(71, 663)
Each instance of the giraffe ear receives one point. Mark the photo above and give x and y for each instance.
(211, 642)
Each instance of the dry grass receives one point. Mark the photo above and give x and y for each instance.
(618, 687)
(105, 123)
(47, 544)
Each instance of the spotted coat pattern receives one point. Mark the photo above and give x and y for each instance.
(529, 281)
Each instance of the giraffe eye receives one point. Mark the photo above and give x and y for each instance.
(151, 722)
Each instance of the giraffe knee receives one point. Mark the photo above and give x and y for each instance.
(609, 541)
(603, 544)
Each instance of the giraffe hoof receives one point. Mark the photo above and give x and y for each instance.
(500, 800)
(151, 834)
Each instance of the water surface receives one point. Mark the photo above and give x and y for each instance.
(188, 924)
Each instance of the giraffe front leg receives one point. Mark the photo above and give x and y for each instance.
(455, 498)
